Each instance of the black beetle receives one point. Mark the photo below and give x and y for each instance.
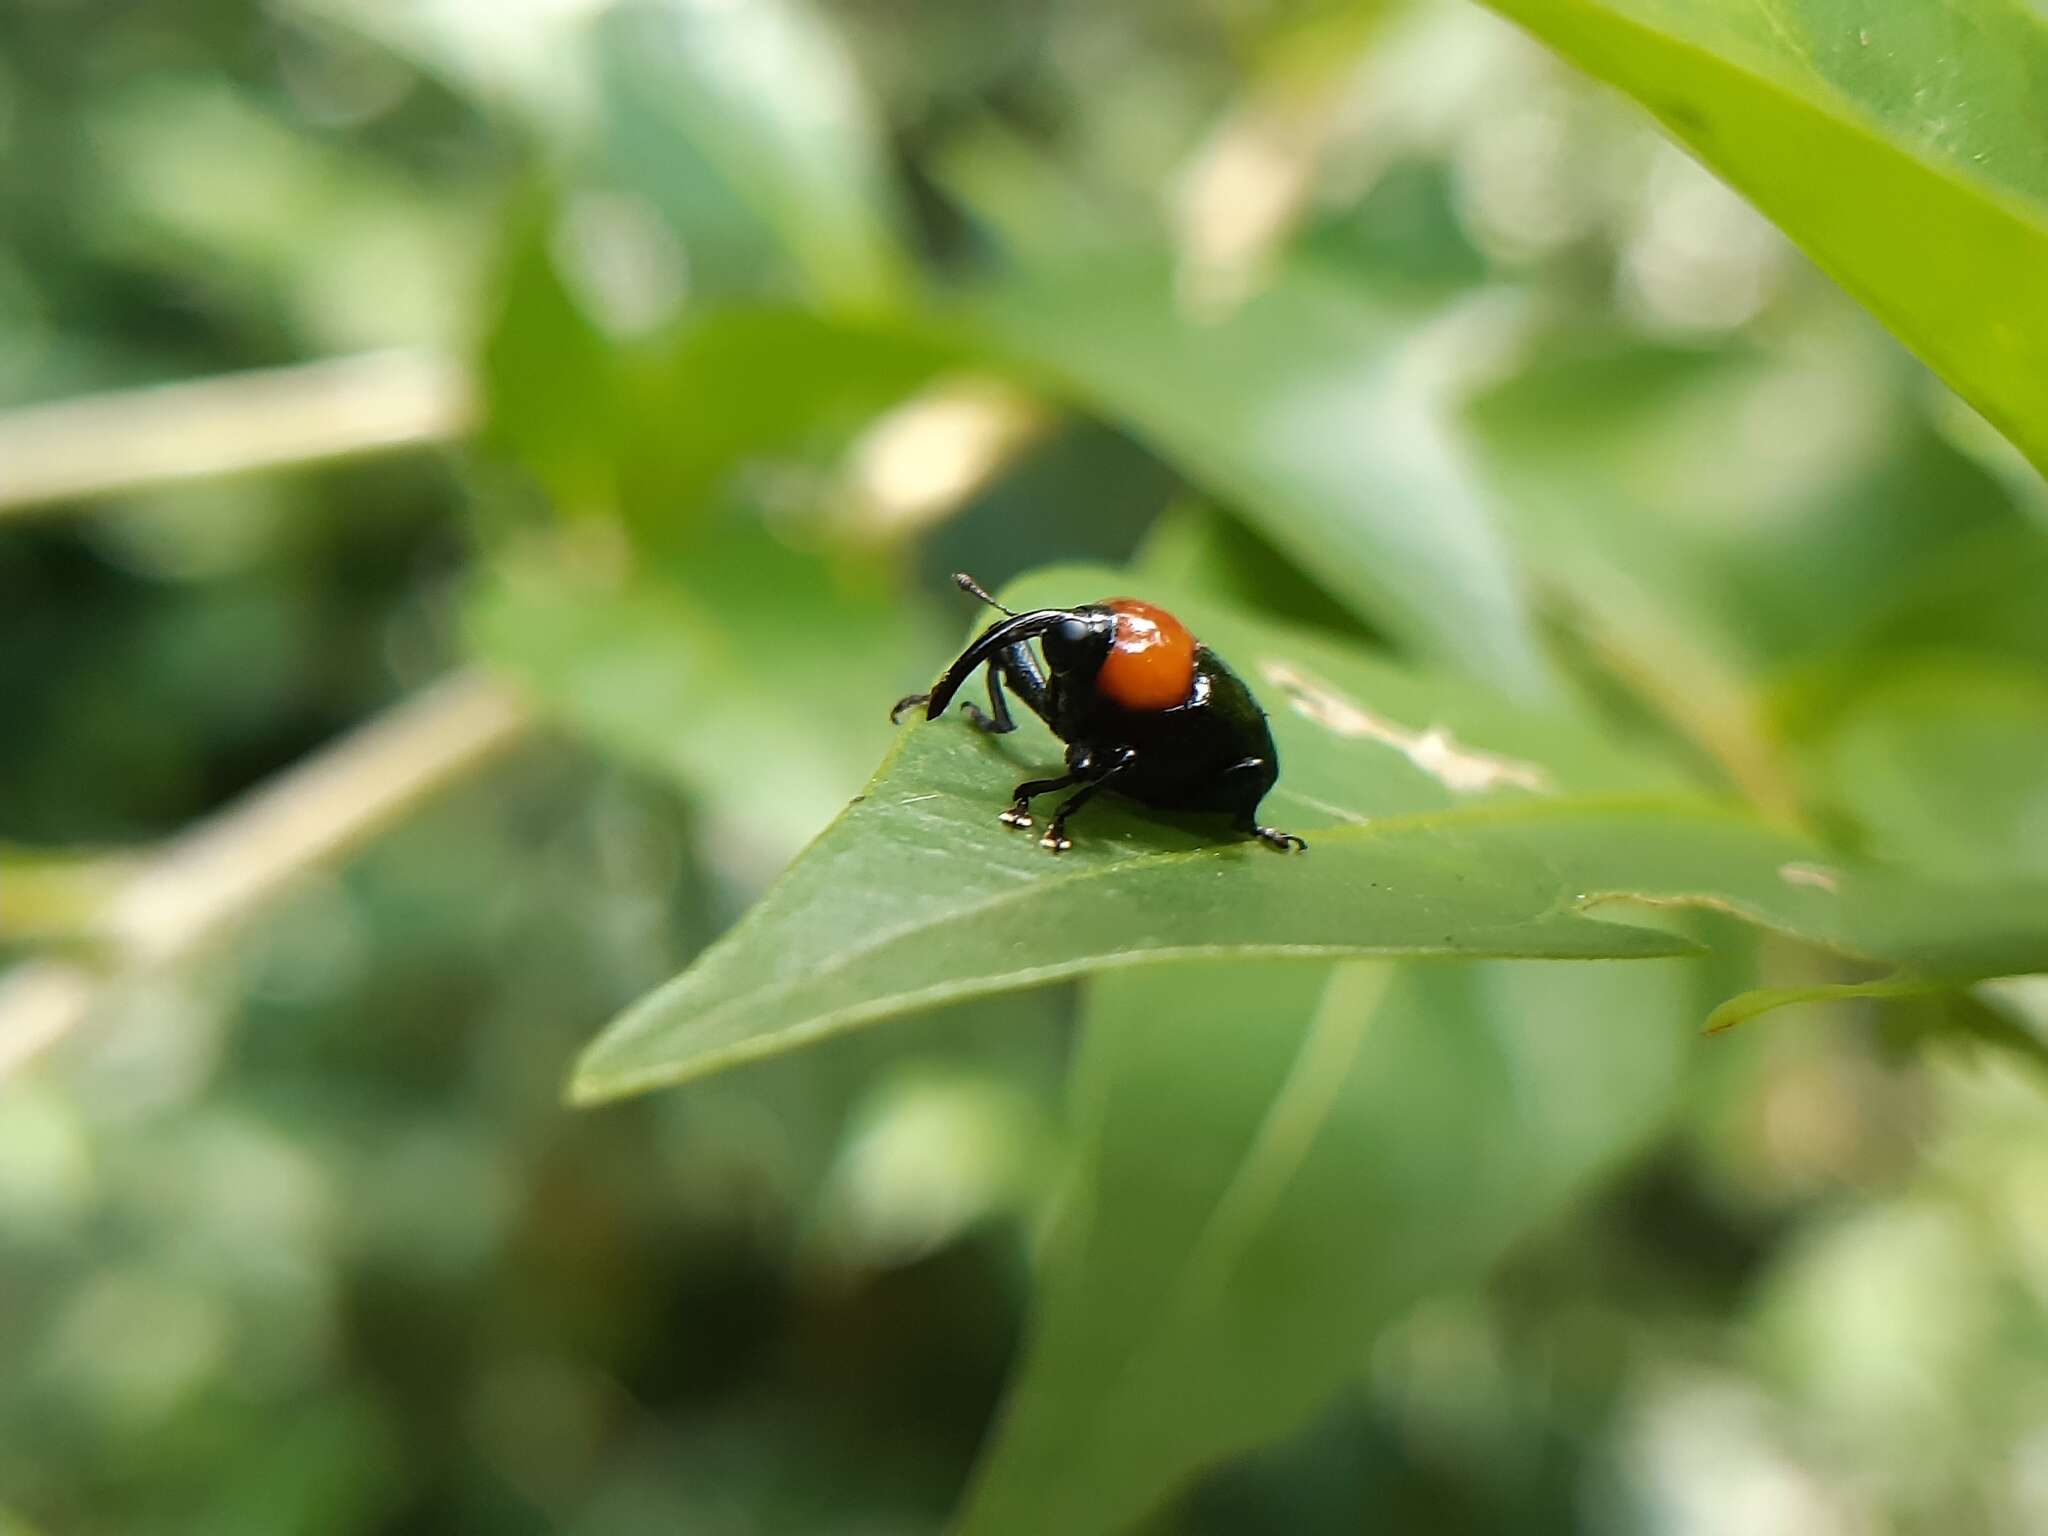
(1144, 707)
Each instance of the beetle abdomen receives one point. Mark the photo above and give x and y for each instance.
(1215, 753)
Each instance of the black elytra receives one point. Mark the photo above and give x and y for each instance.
(1145, 709)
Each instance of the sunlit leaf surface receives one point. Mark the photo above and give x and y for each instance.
(1899, 143)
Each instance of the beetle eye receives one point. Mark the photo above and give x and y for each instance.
(1072, 632)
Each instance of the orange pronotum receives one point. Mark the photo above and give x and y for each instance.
(1151, 661)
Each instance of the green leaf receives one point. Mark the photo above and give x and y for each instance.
(1197, 548)
(1273, 1162)
(1747, 1005)
(1613, 465)
(1030, 205)
(1302, 411)
(1442, 823)
(1988, 601)
(1696, 575)
(755, 107)
(752, 690)
(1899, 144)
(759, 384)
(505, 57)
(651, 430)
(554, 386)
(1944, 767)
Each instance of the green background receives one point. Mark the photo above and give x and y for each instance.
(1658, 419)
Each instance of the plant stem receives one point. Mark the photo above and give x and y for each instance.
(211, 878)
(127, 440)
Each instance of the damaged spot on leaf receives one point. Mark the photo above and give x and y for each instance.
(1819, 876)
(1462, 770)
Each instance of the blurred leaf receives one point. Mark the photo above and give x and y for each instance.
(1306, 411)
(1837, 117)
(1708, 519)
(1194, 547)
(1762, 507)
(763, 98)
(1035, 209)
(932, 1153)
(1979, 1017)
(743, 384)
(553, 385)
(1945, 768)
(744, 125)
(651, 429)
(1442, 823)
(1984, 596)
(508, 54)
(1338, 1142)
(751, 679)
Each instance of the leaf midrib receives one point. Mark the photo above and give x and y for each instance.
(1446, 816)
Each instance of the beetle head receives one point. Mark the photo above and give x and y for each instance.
(1076, 641)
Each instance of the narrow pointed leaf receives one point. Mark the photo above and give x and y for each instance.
(1442, 823)
(1901, 145)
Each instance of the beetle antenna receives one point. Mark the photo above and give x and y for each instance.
(967, 583)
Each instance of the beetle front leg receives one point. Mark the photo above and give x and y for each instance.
(1000, 724)
(1019, 813)
(1056, 837)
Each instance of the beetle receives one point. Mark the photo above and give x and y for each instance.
(1144, 707)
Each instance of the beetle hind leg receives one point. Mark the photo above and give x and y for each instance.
(1273, 837)
(1254, 776)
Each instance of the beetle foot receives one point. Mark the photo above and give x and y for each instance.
(896, 713)
(984, 723)
(1018, 815)
(1056, 839)
(1272, 837)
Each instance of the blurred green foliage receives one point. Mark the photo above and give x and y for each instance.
(1374, 330)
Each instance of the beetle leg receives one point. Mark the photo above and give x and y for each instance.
(1272, 837)
(1019, 813)
(1020, 670)
(1056, 831)
(1000, 724)
(1247, 816)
